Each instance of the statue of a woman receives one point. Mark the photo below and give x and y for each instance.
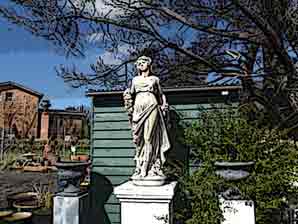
(147, 106)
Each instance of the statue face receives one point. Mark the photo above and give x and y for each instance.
(143, 65)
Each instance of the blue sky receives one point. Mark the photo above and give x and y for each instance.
(30, 61)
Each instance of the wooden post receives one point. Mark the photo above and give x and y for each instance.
(2, 144)
(63, 139)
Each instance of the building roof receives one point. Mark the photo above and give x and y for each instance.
(173, 90)
(21, 87)
(65, 112)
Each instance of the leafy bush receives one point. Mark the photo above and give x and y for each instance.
(8, 161)
(222, 135)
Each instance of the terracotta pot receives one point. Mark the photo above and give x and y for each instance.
(81, 157)
(35, 169)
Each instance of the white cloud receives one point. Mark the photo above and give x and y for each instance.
(112, 58)
(103, 8)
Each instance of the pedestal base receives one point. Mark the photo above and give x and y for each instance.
(71, 209)
(149, 181)
(238, 211)
(146, 205)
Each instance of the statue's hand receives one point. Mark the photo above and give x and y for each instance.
(128, 101)
(127, 94)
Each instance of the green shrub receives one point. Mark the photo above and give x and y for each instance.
(8, 161)
(222, 135)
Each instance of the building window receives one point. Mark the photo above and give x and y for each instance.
(8, 96)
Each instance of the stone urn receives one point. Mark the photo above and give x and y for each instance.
(233, 171)
(70, 174)
(30, 197)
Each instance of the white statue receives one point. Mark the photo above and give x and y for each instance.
(147, 108)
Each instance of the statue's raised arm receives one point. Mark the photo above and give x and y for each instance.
(146, 104)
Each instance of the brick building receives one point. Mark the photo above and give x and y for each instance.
(62, 123)
(21, 115)
(19, 109)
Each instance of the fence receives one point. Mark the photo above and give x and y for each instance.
(7, 138)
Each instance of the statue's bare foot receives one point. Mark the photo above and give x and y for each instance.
(136, 172)
(151, 173)
(143, 173)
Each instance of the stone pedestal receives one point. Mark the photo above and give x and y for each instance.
(44, 129)
(71, 209)
(146, 205)
(238, 211)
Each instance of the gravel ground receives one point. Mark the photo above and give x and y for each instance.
(14, 182)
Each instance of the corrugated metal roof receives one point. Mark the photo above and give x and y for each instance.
(216, 87)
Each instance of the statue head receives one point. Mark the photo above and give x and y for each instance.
(143, 62)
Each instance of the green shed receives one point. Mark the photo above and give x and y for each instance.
(112, 146)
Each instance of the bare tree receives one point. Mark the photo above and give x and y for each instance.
(20, 113)
(187, 39)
